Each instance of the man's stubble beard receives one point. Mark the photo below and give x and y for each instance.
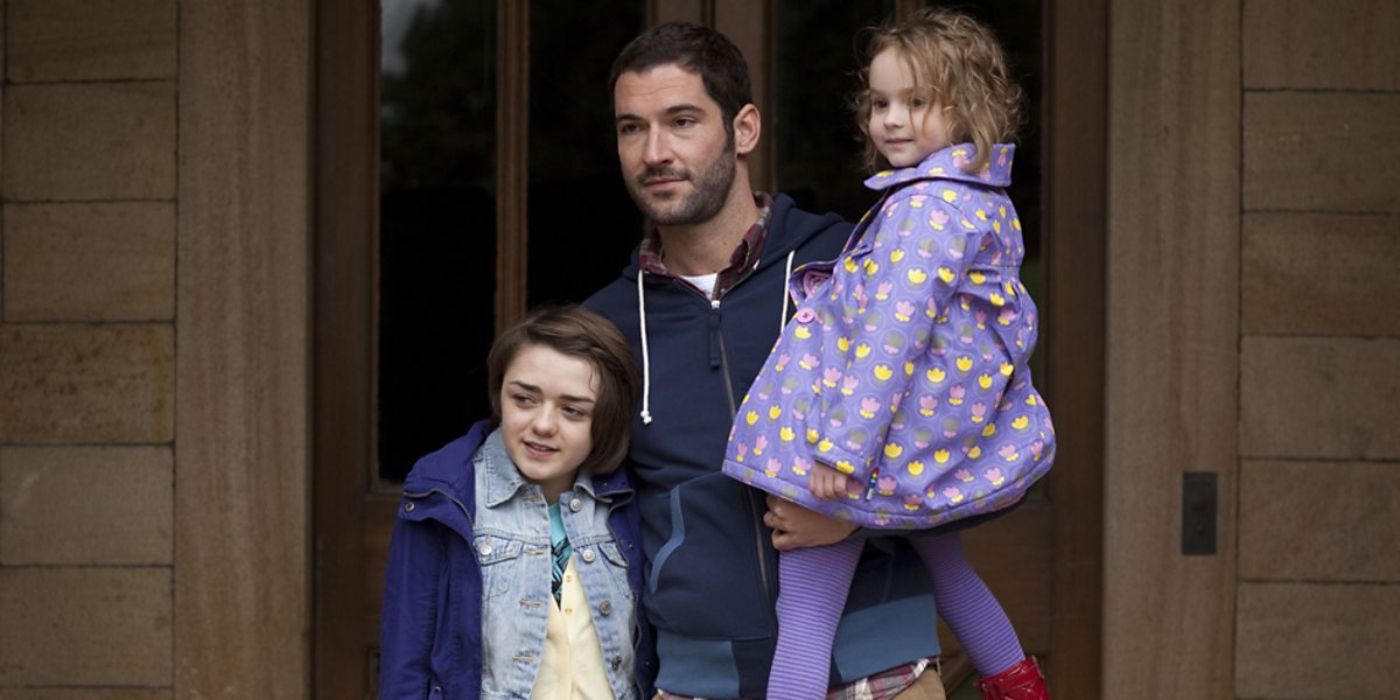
(710, 190)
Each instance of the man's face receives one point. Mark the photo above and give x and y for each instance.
(677, 158)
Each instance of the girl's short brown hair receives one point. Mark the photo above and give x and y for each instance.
(577, 332)
(965, 69)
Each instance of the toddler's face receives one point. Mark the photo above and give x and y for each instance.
(906, 122)
(547, 402)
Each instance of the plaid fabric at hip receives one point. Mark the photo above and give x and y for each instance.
(881, 686)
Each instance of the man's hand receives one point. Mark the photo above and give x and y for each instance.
(795, 527)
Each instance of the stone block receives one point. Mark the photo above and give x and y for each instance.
(1320, 642)
(88, 384)
(1330, 398)
(55, 40)
(86, 505)
(1308, 44)
(89, 141)
(84, 694)
(85, 626)
(1332, 152)
(1319, 521)
(1321, 274)
(90, 262)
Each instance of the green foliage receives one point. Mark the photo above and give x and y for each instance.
(438, 116)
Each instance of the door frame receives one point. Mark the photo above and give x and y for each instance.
(1074, 240)
(345, 264)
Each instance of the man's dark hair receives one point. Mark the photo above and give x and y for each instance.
(699, 50)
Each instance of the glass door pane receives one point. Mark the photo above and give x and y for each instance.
(437, 224)
(817, 142)
(583, 225)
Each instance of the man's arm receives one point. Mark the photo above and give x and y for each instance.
(795, 527)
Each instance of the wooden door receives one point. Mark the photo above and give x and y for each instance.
(1043, 561)
(435, 179)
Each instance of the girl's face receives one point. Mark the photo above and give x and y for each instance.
(906, 122)
(547, 402)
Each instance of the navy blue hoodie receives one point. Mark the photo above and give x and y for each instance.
(711, 567)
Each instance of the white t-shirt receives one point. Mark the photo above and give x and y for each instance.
(705, 283)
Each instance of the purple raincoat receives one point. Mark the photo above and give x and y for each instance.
(905, 366)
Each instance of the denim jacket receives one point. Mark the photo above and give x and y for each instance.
(512, 544)
(438, 585)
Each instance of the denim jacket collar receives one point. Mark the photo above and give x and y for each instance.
(504, 480)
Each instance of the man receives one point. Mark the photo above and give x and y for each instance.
(702, 303)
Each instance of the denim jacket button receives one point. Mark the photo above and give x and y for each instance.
(588, 556)
(576, 505)
(484, 549)
(605, 608)
(408, 507)
(616, 662)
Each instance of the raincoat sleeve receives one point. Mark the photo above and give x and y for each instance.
(409, 619)
(897, 282)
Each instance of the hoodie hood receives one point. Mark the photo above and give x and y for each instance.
(789, 228)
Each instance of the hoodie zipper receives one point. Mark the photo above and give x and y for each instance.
(724, 363)
(750, 496)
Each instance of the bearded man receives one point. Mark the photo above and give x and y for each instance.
(701, 303)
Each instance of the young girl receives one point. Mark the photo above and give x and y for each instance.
(515, 564)
(899, 397)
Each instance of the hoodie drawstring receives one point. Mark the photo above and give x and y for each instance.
(646, 356)
(787, 281)
(642, 321)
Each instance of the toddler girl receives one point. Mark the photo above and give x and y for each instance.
(899, 396)
(515, 564)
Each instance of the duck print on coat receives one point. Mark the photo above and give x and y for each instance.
(905, 366)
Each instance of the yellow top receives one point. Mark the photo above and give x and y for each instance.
(571, 667)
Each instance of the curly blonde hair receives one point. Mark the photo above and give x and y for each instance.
(965, 68)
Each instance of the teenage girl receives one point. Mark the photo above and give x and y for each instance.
(515, 565)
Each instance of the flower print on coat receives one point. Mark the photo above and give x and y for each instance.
(906, 361)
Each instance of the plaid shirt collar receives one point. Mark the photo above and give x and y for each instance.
(653, 259)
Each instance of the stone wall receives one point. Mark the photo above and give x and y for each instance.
(1254, 334)
(153, 543)
(1319, 513)
(87, 346)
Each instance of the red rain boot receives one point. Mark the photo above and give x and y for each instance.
(1023, 681)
